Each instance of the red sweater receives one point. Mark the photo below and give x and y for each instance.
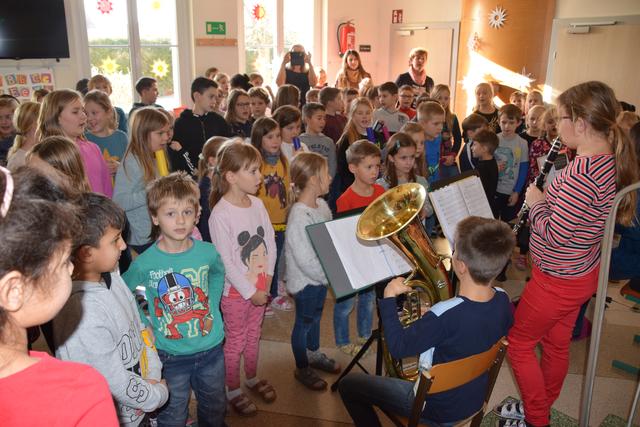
(351, 200)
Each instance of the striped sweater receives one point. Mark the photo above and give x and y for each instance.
(566, 229)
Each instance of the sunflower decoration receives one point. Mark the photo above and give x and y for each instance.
(259, 12)
(159, 68)
(156, 5)
(109, 65)
(497, 17)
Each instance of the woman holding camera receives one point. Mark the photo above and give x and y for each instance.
(296, 69)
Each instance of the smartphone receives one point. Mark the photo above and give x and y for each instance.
(297, 58)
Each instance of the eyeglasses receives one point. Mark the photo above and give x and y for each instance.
(243, 104)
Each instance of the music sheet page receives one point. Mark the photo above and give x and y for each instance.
(450, 208)
(474, 197)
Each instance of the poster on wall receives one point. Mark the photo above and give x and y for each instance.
(22, 82)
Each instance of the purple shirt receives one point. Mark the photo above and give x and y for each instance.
(95, 167)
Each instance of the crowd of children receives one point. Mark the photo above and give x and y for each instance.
(215, 205)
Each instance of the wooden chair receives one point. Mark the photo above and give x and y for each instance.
(447, 376)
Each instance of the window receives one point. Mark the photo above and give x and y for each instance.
(129, 39)
(266, 37)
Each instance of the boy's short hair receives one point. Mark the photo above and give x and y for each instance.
(310, 93)
(515, 95)
(350, 91)
(389, 87)
(474, 121)
(484, 246)
(310, 108)
(360, 149)
(253, 76)
(144, 83)
(177, 186)
(260, 93)
(200, 85)
(412, 127)
(328, 94)
(405, 87)
(97, 214)
(286, 115)
(511, 111)
(487, 138)
(428, 109)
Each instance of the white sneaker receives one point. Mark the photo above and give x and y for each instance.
(511, 410)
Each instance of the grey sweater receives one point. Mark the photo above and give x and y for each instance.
(303, 265)
(129, 193)
(101, 327)
(324, 145)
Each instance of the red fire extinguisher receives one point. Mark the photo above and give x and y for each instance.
(346, 37)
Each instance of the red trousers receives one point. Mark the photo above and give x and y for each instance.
(546, 314)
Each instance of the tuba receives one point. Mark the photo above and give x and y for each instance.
(395, 216)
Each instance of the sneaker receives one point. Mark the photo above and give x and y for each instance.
(268, 312)
(321, 361)
(282, 303)
(511, 410)
(511, 423)
(347, 349)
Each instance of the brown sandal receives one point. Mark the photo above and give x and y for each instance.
(243, 406)
(265, 390)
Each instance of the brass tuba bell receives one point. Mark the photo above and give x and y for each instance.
(395, 216)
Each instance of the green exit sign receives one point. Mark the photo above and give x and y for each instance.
(216, 27)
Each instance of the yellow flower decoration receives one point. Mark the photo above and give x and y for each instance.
(109, 66)
(156, 5)
(160, 68)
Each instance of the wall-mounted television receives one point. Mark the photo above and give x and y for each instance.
(33, 29)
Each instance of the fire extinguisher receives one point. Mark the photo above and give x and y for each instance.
(346, 37)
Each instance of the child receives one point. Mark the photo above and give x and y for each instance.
(149, 133)
(626, 120)
(314, 120)
(352, 72)
(194, 127)
(512, 156)
(431, 118)
(183, 279)
(290, 123)
(259, 99)
(35, 282)
(518, 99)
(286, 95)
(405, 101)
(101, 83)
(474, 321)
(100, 324)
(8, 106)
(399, 166)
(312, 95)
(533, 98)
(58, 158)
(306, 280)
(484, 145)
(211, 72)
(470, 126)
(567, 225)
(387, 113)
(534, 124)
(25, 121)
(451, 136)
(331, 98)
(207, 162)
(416, 132)
(101, 119)
(147, 89)
(39, 94)
(241, 230)
(265, 137)
(485, 106)
(238, 115)
(364, 163)
(62, 114)
(349, 94)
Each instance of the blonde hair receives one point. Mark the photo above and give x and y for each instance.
(231, 158)
(448, 116)
(595, 103)
(420, 167)
(52, 106)
(39, 94)
(144, 121)
(25, 118)
(96, 80)
(303, 166)
(417, 51)
(350, 128)
(428, 109)
(551, 112)
(102, 100)
(626, 120)
(64, 156)
(178, 186)
(209, 149)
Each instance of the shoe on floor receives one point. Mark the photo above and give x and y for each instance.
(282, 303)
(321, 361)
(511, 423)
(511, 410)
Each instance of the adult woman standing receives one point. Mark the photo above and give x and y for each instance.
(416, 76)
(299, 71)
(352, 72)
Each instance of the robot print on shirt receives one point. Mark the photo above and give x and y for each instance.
(182, 302)
(255, 256)
(274, 187)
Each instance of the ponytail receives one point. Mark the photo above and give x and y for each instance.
(626, 173)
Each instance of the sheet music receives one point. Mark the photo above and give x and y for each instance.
(475, 197)
(450, 208)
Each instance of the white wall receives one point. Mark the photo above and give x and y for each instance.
(595, 8)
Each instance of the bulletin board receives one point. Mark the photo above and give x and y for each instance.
(22, 82)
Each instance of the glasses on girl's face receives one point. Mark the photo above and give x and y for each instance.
(243, 104)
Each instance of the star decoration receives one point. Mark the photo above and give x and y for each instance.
(159, 68)
(105, 6)
(497, 17)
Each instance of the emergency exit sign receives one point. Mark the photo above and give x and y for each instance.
(214, 27)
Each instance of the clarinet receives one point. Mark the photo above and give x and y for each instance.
(523, 215)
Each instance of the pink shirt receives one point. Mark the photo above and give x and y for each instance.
(95, 167)
(245, 239)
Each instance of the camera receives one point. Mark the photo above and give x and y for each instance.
(297, 58)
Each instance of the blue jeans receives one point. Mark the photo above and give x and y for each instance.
(204, 373)
(448, 171)
(341, 313)
(361, 392)
(306, 328)
(279, 246)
